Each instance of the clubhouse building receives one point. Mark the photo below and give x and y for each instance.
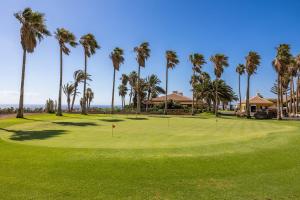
(174, 96)
(258, 103)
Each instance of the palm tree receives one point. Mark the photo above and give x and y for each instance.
(252, 62)
(124, 81)
(153, 88)
(280, 64)
(132, 79)
(220, 61)
(240, 69)
(197, 61)
(122, 93)
(68, 91)
(89, 45)
(172, 61)
(117, 59)
(78, 77)
(33, 29)
(63, 37)
(206, 90)
(292, 72)
(142, 54)
(89, 97)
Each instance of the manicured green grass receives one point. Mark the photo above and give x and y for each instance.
(148, 157)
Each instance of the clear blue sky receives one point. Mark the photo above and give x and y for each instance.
(232, 27)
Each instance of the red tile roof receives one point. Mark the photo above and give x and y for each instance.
(259, 100)
(175, 97)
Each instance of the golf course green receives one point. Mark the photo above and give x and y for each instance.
(148, 157)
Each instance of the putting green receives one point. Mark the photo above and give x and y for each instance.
(176, 135)
(149, 157)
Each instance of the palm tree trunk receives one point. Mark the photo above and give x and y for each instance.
(130, 96)
(59, 112)
(83, 110)
(69, 100)
(297, 95)
(216, 98)
(193, 98)
(138, 109)
(74, 96)
(124, 102)
(291, 100)
(288, 109)
(166, 97)
(286, 97)
(278, 97)
(281, 100)
(240, 95)
(113, 93)
(148, 98)
(248, 97)
(20, 113)
(293, 97)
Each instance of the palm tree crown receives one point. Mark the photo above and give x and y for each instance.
(152, 85)
(198, 61)
(240, 69)
(65, 37)
(142, 53)
(172, 59)
(117, 57)
(252, 62)
(89, 44)
(220, 61)
(33, 28)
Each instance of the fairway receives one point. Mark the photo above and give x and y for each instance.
(148, 157)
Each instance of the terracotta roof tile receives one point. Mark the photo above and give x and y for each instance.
(174, 97)
(259, 100)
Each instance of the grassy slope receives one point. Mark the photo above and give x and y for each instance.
(223, 162)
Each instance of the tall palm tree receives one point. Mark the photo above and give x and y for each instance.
(63, 37)
(220, 61)
(78, 77)
(172, 61)
(69, 91)
(197, 61)
(240, 69)
(33, 29)
(280, 64)
(252, 62)
(153, 88)
(142, 54)
(132, 79)
(122, 93)
(117, 59)
(89, 45)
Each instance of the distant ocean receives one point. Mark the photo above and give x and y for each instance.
(33, 106)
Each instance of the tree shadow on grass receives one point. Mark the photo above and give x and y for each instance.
(76, 123)
(111, 120)
(33, 135)
(159, 116)
(137, 118)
